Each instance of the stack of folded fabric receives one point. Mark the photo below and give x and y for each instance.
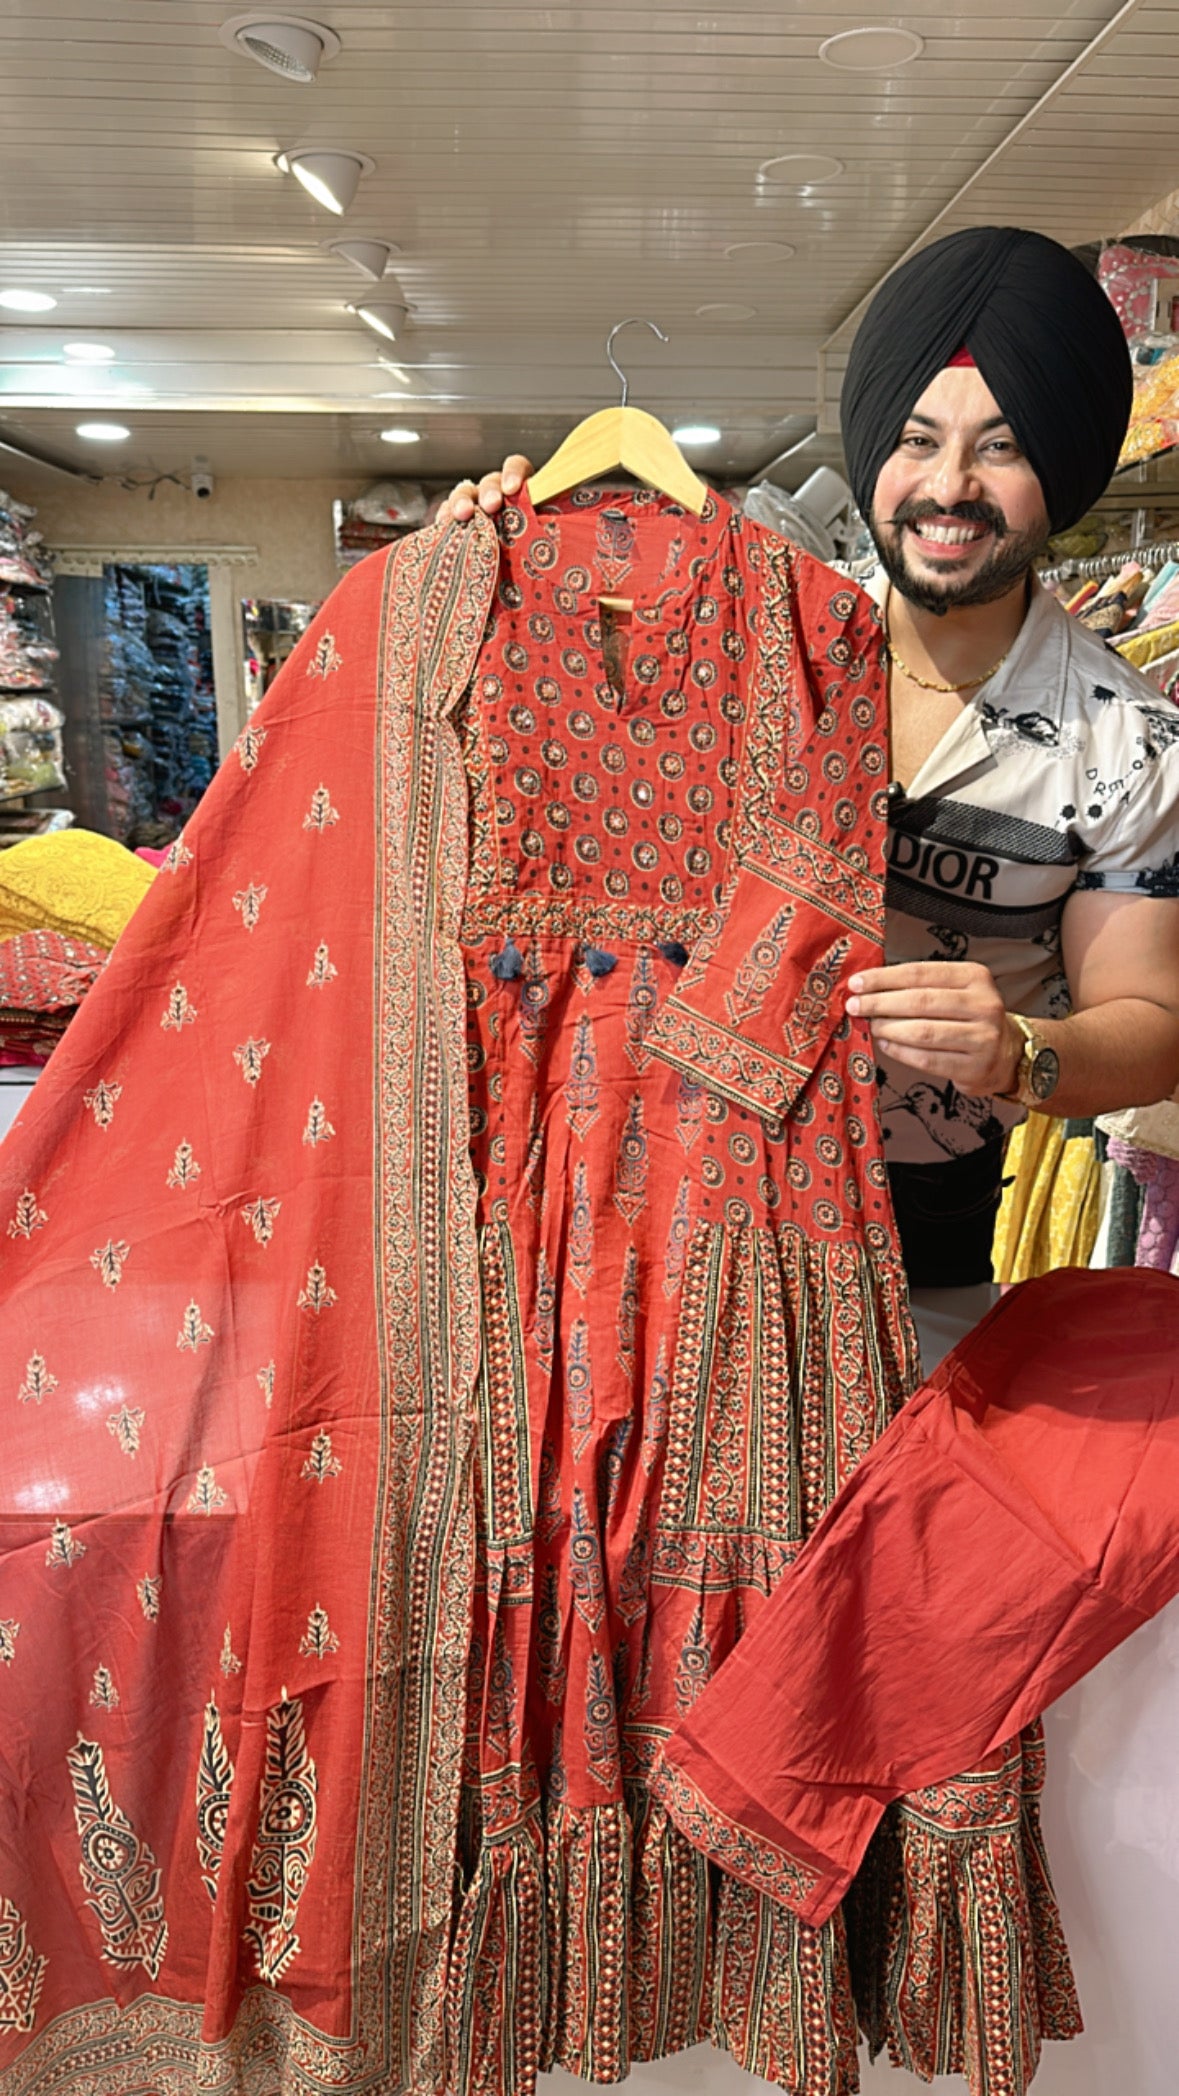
(64, 899)
(74, 882)
(43, 979)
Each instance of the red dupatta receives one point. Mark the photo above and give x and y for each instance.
(239, 1343)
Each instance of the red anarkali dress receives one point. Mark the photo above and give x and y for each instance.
(672, 1387)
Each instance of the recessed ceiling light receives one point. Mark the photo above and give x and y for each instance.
(331, 177)
(88, 352)
(102, 432)
(725, 309)
(401, 436)
(86, 291)
(696, 433)
(876, 49)
(286, 44)
(385, 316)
(800, 170)
(370, 257)
(759, 251)
(27, 301)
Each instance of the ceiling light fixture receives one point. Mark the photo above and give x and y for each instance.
(88, 352)
(760, 251)
(370, 257)
(799, 170)
(401, 436)
(725, 309)
(385, 316)
(285, 44)
(332, 177)
(879, 48)
(27, 301)
(102, 432)
(696, 433)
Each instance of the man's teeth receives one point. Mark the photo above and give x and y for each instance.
(949, 534)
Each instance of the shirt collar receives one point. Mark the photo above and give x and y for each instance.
(1033, 679)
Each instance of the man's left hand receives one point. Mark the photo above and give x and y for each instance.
(945, 1018)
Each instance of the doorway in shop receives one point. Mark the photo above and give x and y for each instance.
(137, 692)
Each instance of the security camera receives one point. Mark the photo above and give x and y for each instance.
(201, 480)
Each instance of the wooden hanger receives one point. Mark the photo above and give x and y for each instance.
(621, 436)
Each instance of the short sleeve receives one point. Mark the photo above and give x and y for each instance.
(1130, 833)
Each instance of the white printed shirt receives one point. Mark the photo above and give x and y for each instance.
(1062, 773)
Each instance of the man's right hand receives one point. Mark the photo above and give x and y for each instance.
(490, 495)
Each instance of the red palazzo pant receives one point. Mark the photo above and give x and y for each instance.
(1015, 1523)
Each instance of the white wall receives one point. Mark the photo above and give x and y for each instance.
(289, 521)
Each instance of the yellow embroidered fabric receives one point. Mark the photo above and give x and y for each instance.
(73, 882)
(1051, 1202)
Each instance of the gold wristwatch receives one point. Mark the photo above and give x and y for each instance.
(1037, 1073)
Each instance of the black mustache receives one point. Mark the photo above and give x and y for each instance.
(915, 510)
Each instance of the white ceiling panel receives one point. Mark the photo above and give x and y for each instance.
(545, 171)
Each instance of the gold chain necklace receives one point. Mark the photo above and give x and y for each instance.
(927, 683)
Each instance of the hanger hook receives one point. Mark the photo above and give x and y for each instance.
(610, 339)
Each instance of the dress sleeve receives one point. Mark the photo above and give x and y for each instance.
(804, 907)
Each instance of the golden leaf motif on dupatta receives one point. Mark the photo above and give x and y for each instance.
(102, 1100)
(194, 1331)
(321, 815)
(249, 746)
(63, 1548)
(38, 1382)
(319, 1129)
(109, 1260)
(260, 1215)
(104, 1695)
(250, 1058)
(321, 1463)
(177, 856)
(184, 1166)
(319, 1638)
(119, 1871)
(126, 1425)
(326, 658)
(249, 901)
(178, 1012)
(28, 1217)
(284, 1845)
(206, 1496)
(322, 969)
(316, 1295)
(22, 1972)
(9, 1633)
(148, 1592)
(230, 1663)
(265, 1381)
(214, 1788)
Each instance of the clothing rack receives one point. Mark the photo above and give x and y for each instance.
(1101, 565)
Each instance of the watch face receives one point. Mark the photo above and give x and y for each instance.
(1044, 1075)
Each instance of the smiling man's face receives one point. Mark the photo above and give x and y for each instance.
(959, 515)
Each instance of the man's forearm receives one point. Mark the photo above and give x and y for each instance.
(1125, 1053)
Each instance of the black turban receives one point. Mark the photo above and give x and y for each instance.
(1041, 331)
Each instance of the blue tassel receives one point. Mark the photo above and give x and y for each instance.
(506, 966)
(674, 952)
(598, 961)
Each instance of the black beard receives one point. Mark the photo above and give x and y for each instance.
(1012, 555)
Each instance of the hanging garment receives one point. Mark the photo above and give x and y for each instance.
(1051, 1207)
(1016, 1523)
(447, 1272)
(1157, 1242)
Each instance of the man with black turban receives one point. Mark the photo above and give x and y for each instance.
(1032, 930)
